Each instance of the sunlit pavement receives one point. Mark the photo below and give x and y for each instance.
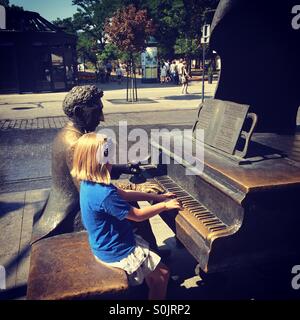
(28, 124)
(153, 97)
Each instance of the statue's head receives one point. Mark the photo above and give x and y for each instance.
(83, 106)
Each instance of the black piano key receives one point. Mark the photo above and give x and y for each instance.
(208, 222)
(214, 223)
(218, 228)
(175, 190)
(193, 207)
(182, 198)
(202, 217)
(180, 194)
(199, 211)
(193, 203)
(171, 186)
(215, 227)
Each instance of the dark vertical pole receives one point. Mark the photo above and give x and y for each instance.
(135, 86)
(203, 71)
(132, 80)
(127, 82)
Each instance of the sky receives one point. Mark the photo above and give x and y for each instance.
(48, 9)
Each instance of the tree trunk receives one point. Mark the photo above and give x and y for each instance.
(131, 93)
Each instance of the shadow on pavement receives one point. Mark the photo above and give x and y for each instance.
(186, 97)
(6, 208)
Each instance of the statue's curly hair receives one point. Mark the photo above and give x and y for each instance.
(83, 96)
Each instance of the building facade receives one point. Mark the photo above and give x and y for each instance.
(35, 55)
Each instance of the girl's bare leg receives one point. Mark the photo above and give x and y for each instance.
(157, 282)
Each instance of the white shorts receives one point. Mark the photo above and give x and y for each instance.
(138, 264)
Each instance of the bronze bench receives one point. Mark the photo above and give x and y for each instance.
(63, 267)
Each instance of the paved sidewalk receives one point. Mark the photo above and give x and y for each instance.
(162, 117)
(17, 210)
(154, 97)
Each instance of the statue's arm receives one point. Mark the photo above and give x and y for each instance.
(69, 161)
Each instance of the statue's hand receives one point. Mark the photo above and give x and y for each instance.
(149, 187)
(134, 168)
(125, 185)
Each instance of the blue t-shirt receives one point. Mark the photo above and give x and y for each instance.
(104, 214)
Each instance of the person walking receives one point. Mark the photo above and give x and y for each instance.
(185, 77)
(119, 74)
(163, 73)
(173, 72)
(179, 70)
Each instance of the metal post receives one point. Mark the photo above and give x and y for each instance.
(127, 83)
(203, 71)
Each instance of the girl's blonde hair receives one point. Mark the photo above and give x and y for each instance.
(85, 162)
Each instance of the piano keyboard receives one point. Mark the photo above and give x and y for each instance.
(204, 221)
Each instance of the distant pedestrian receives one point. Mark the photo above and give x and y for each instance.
(167, 64)
(102, 73)
(179, 70)
(119, 74)
(163, 73)
(173, 72)
(108, 71)
(185, 77)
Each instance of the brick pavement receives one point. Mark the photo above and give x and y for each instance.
(183, 117)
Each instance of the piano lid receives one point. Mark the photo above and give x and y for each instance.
(270, 168)
(265, 173)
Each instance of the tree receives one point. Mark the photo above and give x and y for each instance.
(178, 24)
(4, 3)
(129, 29)
(91, 16)
(66, 25)
(187, 46)
(169, 16)
(110, 52)
(87, 49)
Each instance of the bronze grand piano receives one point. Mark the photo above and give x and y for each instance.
(238, 214)
(243, 207)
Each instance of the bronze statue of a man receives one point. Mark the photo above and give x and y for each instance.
(61, 213)
(84, 109)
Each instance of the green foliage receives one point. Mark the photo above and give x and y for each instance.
(91, 16)
(169, 17)
(177, 24)
(4, 3)
(66, 25)
(87, 48)
(109, 53)
(187, 46)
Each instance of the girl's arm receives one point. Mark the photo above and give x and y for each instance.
(131, 196)
(146, 213)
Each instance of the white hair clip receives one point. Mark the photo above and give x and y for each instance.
(106, 152)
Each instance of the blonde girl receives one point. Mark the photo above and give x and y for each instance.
(106, 213)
